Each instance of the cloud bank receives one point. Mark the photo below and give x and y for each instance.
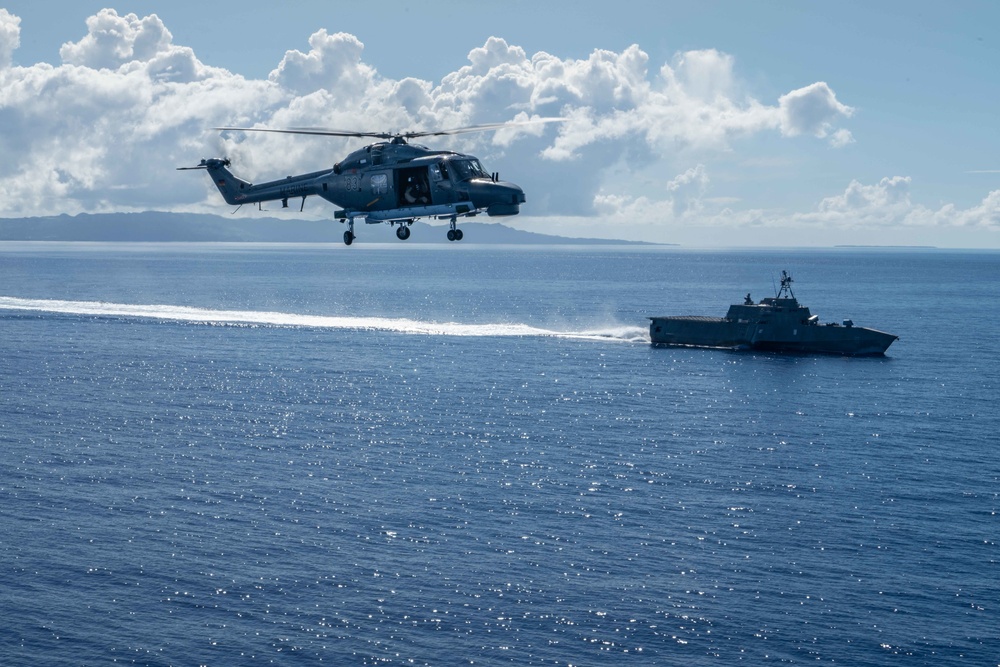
(10, 37)
(104, 129)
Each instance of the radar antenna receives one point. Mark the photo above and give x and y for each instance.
(786, 286)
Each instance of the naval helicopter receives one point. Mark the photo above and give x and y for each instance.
(390, 181)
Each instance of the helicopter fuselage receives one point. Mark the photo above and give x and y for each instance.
(392, 182)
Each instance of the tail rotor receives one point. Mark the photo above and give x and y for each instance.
(211, 163)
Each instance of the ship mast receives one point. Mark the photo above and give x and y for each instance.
(786, 286)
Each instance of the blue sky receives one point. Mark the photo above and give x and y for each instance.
(701, 123)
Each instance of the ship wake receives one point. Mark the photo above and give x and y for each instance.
(207, 316)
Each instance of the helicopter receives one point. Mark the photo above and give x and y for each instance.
(391, 181)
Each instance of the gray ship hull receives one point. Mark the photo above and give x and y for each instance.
(777, 323)
(694, 331)
(720, 332)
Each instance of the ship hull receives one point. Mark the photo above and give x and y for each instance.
(734, 334)
(697, 332)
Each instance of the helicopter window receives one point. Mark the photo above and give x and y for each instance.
(466, 169)
(413, 186)
(380, 184)
(439, 175)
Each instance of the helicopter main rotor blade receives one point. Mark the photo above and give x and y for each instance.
(310, 130)
(482, 128)
(324, 132)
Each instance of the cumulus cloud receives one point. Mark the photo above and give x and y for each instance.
(812, 110)
(986, 214)
(333, 64)
(114, 40)
(682, 203)
(105, 128)
(841, 138)
(888, 203)
(687, 190)
(692, 103)
(705, 75)
(10, 37)
(888, 196)
(882, 212)
(128, 44)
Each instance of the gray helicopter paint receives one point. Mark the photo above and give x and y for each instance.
(388, 181)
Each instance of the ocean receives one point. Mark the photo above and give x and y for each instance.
(406, 454)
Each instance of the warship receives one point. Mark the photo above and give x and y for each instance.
(776, 324)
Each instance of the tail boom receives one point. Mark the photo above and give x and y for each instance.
(236, 191)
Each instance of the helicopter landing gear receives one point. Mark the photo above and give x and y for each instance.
(403, 233)
(454, 234)
(349, 234)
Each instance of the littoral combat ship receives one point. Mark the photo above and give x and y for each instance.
(778, 324)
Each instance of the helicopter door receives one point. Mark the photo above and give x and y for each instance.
(439, 177)
(413, 187)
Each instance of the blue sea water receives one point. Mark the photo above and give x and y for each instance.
(457, 455)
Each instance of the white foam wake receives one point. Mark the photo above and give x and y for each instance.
(265, 318)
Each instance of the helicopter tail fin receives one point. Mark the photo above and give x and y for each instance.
(233, 189)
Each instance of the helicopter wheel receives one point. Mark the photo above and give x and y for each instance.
(348, 238)
(403, 233)
(451, 235)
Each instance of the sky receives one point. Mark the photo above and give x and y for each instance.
(703, 123)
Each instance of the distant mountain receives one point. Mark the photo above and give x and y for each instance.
(190, 227)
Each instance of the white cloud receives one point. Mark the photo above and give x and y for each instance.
(495, 53)
(888, 203)
(986, 214)
(878, 213)
(705, 75)
(811, 110)
(114, 40)
(693, 103)
(888, 199)
(688, 189)
(105, 129)
(841, 138)
(683, 203)
(333, 64)
(10, 37)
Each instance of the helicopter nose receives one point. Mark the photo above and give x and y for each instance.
(498, 198)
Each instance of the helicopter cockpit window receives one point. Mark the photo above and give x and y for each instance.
(466, 169)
